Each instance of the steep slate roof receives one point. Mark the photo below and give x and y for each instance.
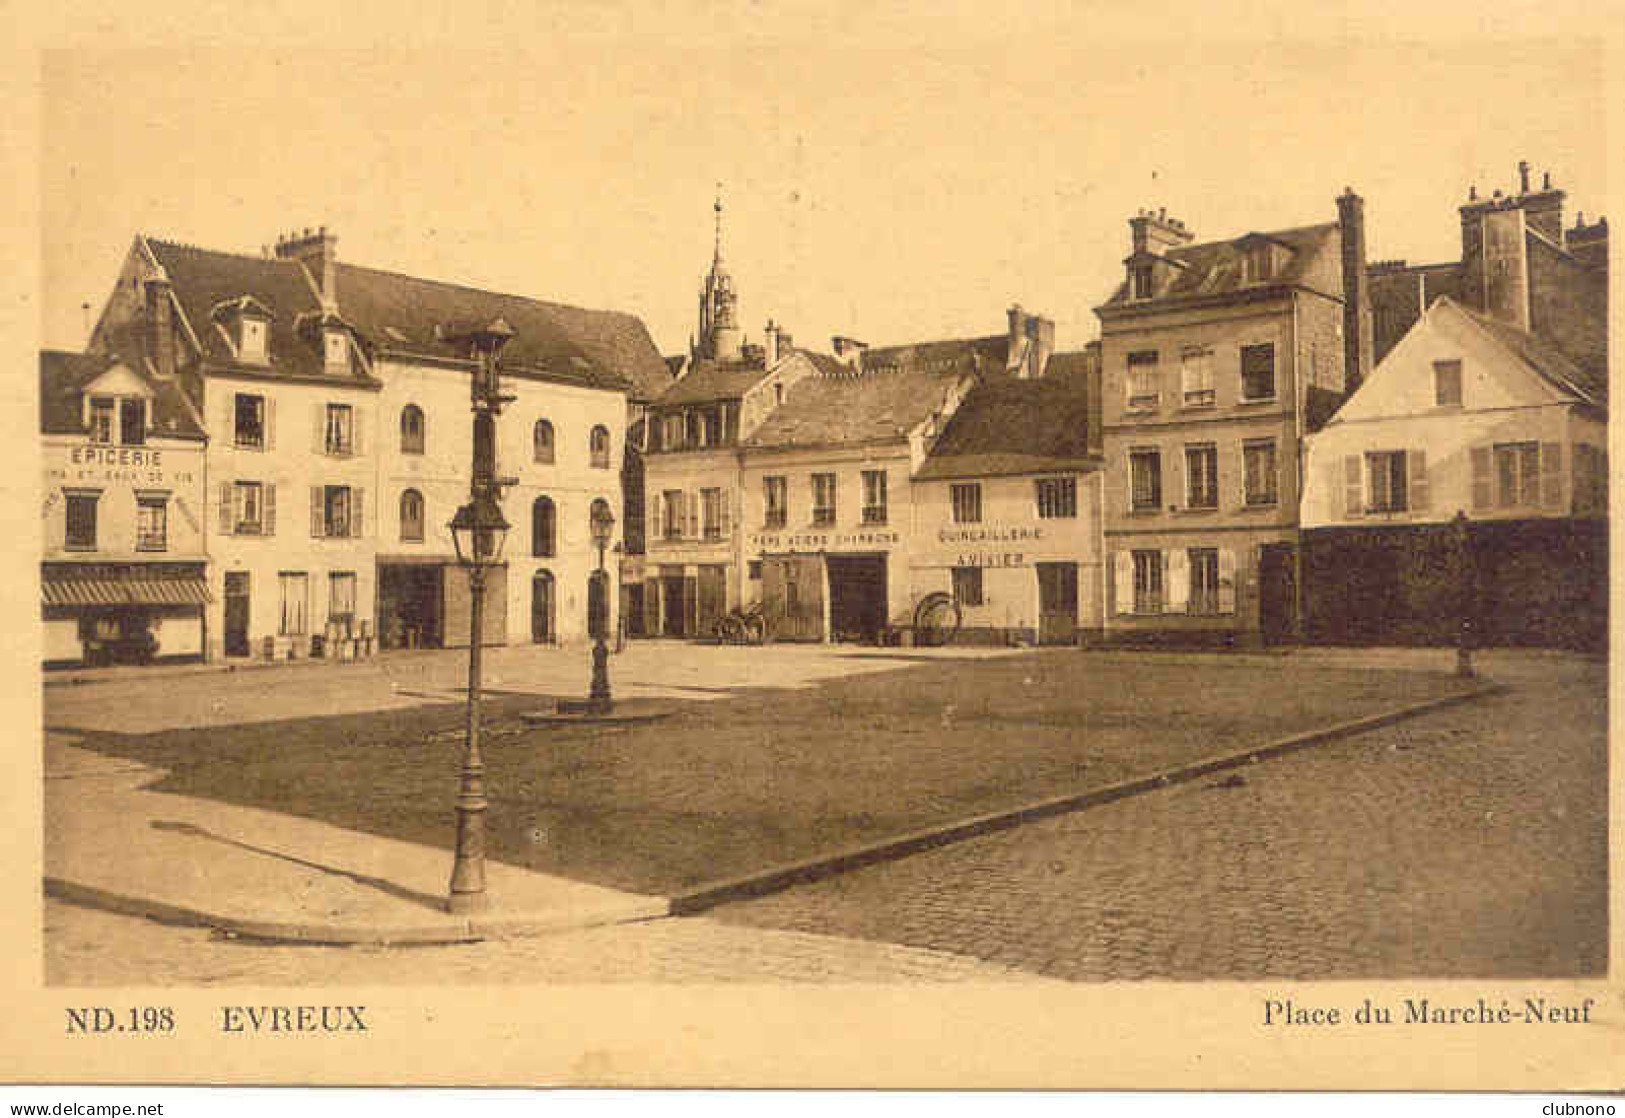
(600, 349)
(1010, 426)
(712, 380)
(897, 388)
(1217, 267)
(62, 380)
(1543, 357)
(203, 279)
(558, 343)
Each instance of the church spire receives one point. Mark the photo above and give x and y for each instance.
(716, 257)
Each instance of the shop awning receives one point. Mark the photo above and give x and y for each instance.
(124, 591)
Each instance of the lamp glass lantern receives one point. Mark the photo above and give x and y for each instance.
(478, 532)
(603, 523)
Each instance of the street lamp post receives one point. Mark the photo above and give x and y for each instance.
(598, 698)
(478, 531)
(1466, 580)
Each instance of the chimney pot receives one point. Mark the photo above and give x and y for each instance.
(1472, 193)
(1523, 176)
(1546, 181)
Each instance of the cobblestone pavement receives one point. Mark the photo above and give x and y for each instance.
(1468, 843)
(87, 947)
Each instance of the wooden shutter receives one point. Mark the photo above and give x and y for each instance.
(1333, 474)
(268, 511)
(228, 523)
(1416, 479)
(270, 423)
(691, 515)
(319, 442)
(1123, 564)
(358, 431)
(316, 511)
(657, 530)
(1483, 494)
(358, 506)
(724, 511)
(651, 607)
(1551, 475)
(1353, 486)
(1227, 580)
(1176, 580)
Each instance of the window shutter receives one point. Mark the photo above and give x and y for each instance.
(1353, 486)
(227, 524)
(1551, 475)
(1480, 456)
(358, 507)
(1334, 491)
(1416, 479)
(269, 512)
(319, 442)
(316, 511)
(1123, 561)
(1227, 580)
(725, 509)
(227, 419)
(1177, 581)
(270, 423)
(358, 429)
(657, 530)
(691, 515)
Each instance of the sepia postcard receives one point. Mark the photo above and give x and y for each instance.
(762, 545)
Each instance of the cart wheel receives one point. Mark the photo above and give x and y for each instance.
(936, 619)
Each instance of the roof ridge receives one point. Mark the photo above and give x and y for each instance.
(479, 290)
(259, 258)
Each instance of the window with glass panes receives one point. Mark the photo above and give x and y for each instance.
(1202, 476)
(874, 496)
(711, 512)
(775, 490)
(247, 509)
(966, 499)
(672, 507)
(1057, 497)
(1385, 481)
(1148, 582)
(341, 598)
(1145, 479)
(294, 588)
(1258, 460)
(81, 522)
(1196, 377)
(101, 419)
(1258, 371)
(248, 415)
(151, 523)
(1447, 384)
(1143, 388)
(968, 586)
(823, 486)
(1517, 475)
(1204, 589)
(340, 431)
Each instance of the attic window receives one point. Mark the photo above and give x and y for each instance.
(1142, 281)
(338, 350)
(251, 341)
(1260, 262)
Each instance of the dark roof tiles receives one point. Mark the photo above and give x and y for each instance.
(64, 376)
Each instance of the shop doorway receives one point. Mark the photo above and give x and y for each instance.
(235, 629)
(673, 604)
(857, 597)
(541, 608)
(712, 589)
(1057, 603)
(410, 599)
(1277, 592)
(793, 597)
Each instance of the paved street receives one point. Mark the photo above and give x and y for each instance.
(1468, 843)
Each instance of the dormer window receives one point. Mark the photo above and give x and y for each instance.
(132, 421)
(101, 419)
(251, 342)
(337, 350)
(1141, 274)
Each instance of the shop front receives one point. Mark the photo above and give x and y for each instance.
(97, 614)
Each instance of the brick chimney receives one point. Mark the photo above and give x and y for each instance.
(1032, 340)
(160, 326)
(1155, 232)
(770, 348)
(1357, 327)
(318, 252)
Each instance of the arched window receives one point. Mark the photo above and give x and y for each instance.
(543, 528)
(412, 429)
(600, 447)
(542, 437)
(412, 515)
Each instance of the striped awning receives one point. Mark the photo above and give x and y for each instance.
(124, 591)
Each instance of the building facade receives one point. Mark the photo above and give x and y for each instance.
(1467, 477)
(336, 404)
(123, 567)
(1217, 359)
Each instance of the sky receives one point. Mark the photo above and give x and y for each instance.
(872, 187)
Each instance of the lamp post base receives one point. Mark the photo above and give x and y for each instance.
(598, 696)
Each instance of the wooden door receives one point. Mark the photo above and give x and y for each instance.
(1057, 603)
(237, 601)
(1277, 592)
(541, 608)
(793, 597)
(713, 598)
